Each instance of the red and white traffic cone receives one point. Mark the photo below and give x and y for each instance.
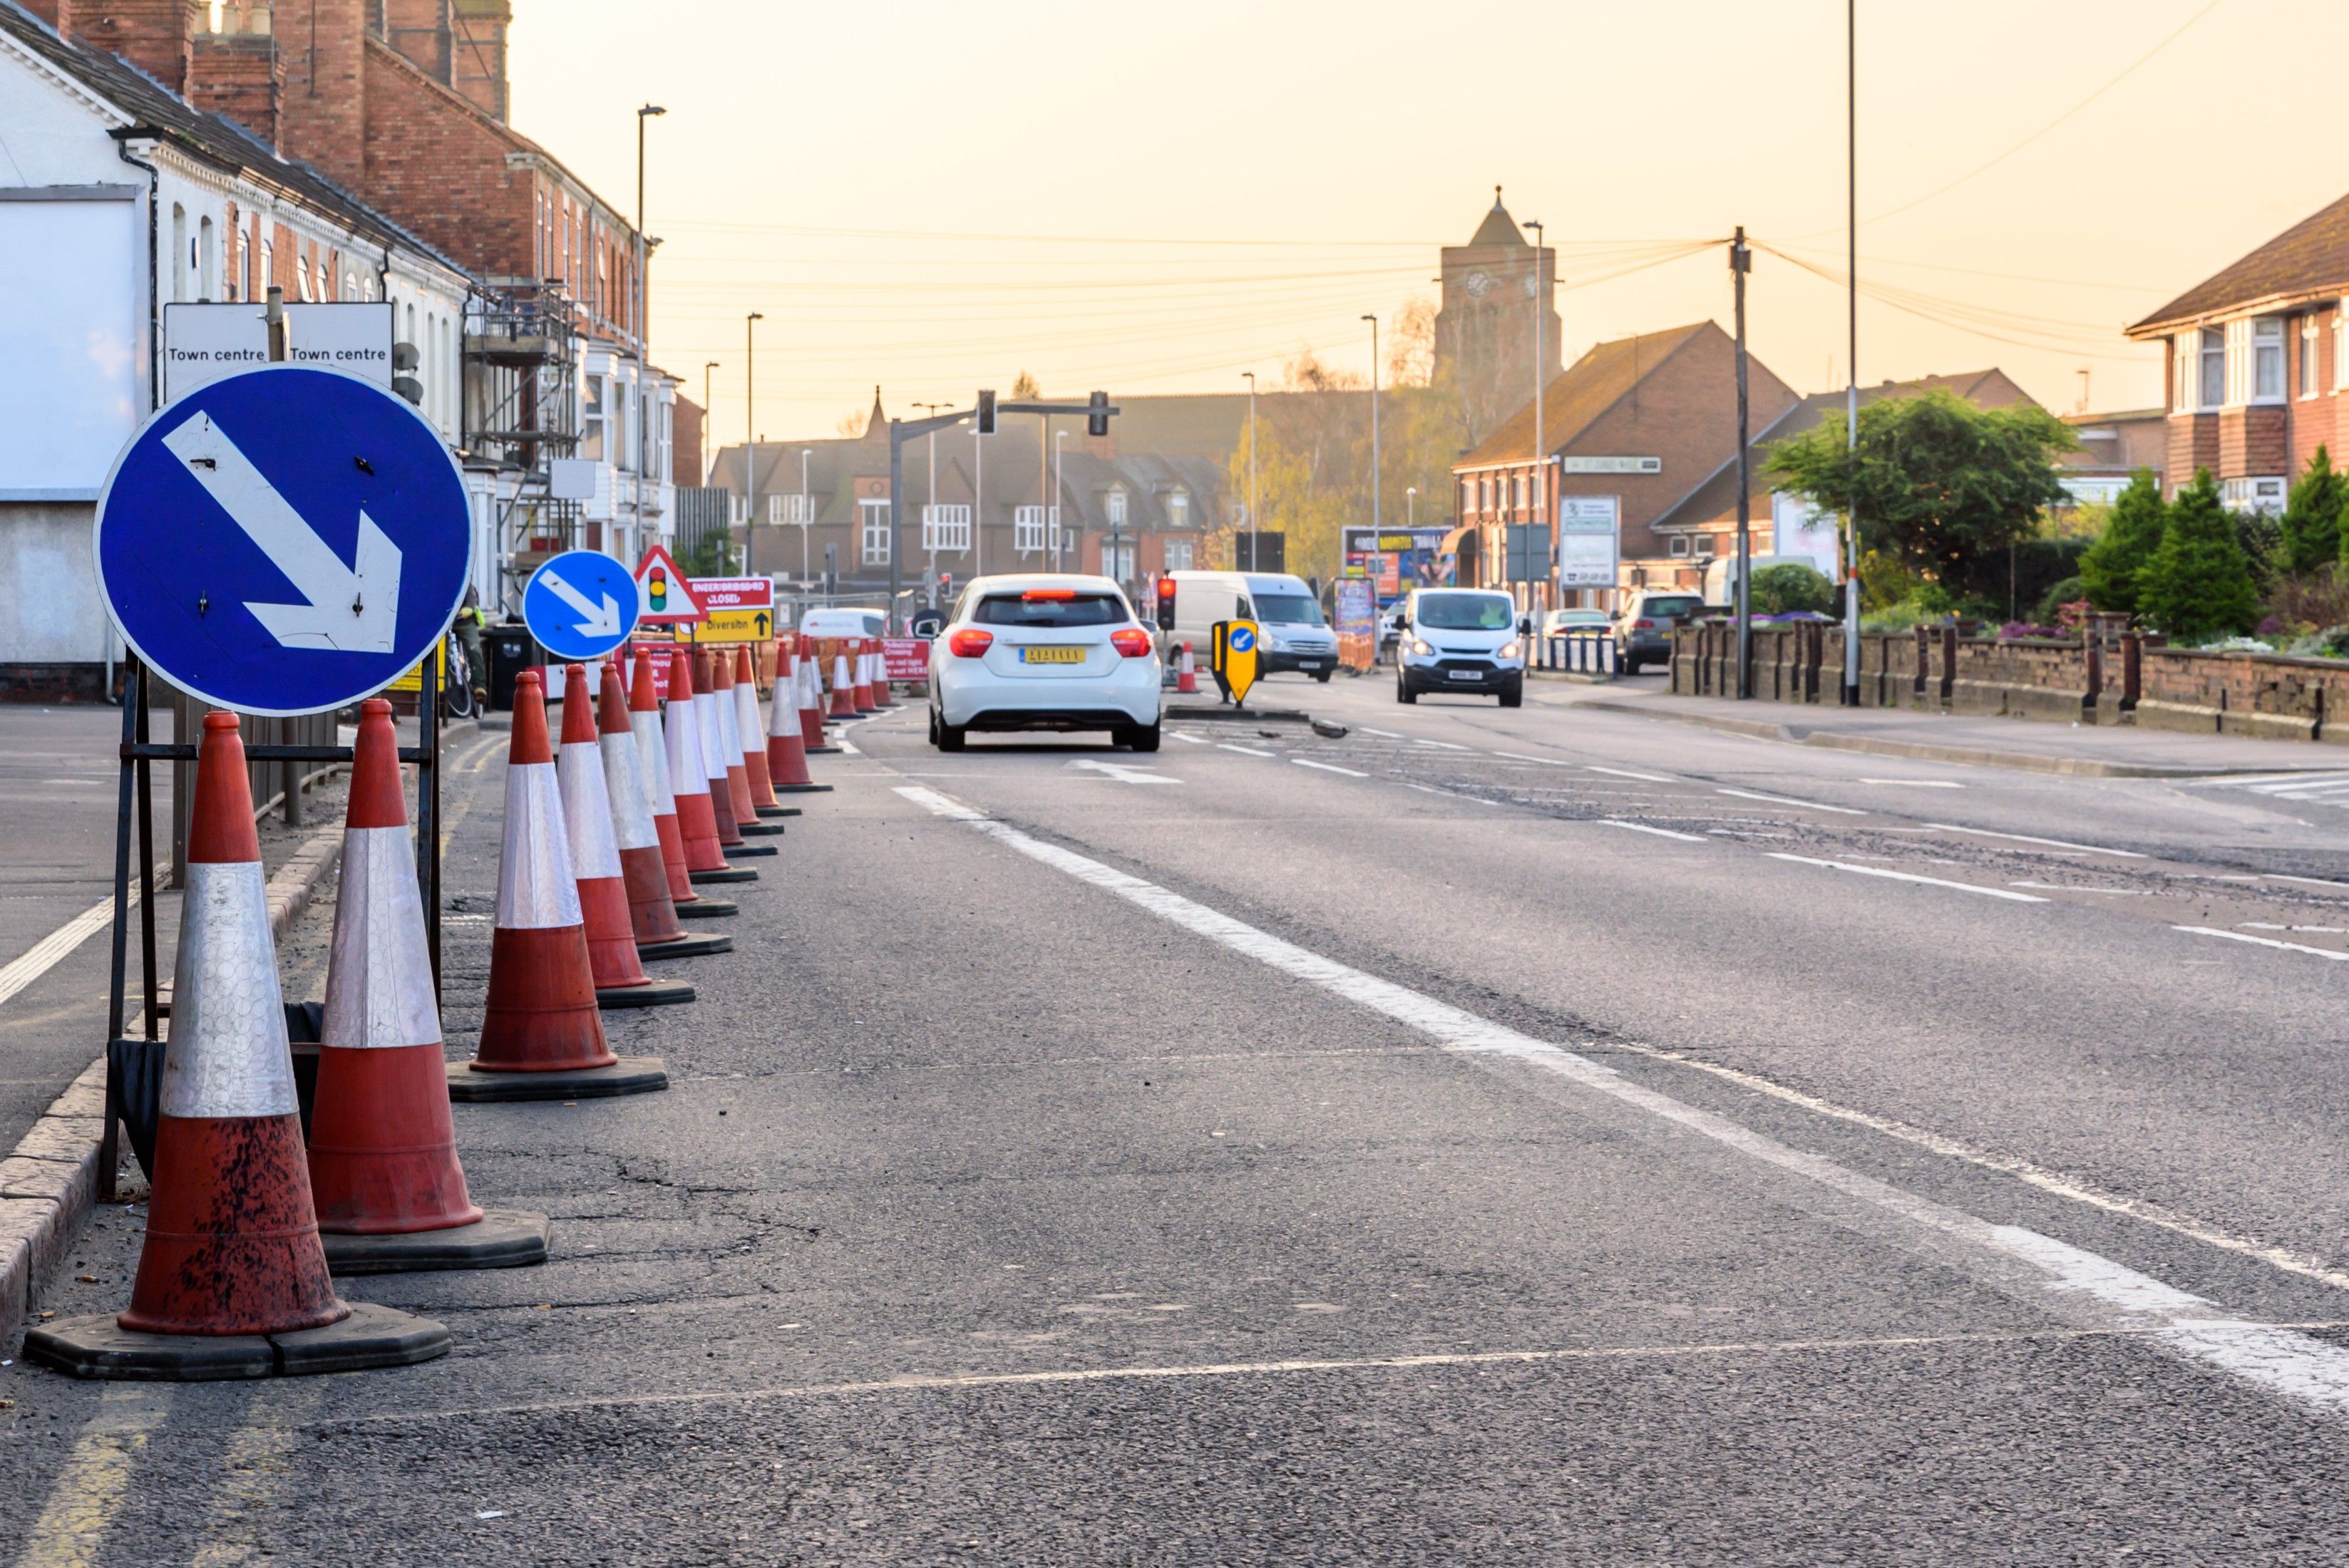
(644, 876)
(652, 769)
(1186, 678)
(863, 690)
(724, 711)
(232, 1234)
(709, 724)
(843, 681)
(541, 1016)
(689, 776)
(383, 1149)
(812, 737)
(787, 768)
(620, 977)
(753, 737)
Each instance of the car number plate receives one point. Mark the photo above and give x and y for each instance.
(1463, 674)
(1052, 655)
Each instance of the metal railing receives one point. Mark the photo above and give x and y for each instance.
(1580, 653)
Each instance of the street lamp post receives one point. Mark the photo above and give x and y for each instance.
(929, 514)
(1052, 509)
(1541, 461)
(1410, 506)
(708, 457)
(1250, 374)
(1851, 398)
(806, 515)
(644, 336)
(1375, 524)
(749, 440)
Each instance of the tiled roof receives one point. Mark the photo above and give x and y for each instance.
(1498, 228)
(1587, 388)
(2312, 257)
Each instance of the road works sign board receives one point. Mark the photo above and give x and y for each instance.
(1235, 658)
(663, 598)
(729, 626)
(580, 605)
(285, 540)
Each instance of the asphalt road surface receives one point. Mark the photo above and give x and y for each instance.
(1541, 1136)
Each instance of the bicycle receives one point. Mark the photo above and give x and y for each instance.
(457, 699)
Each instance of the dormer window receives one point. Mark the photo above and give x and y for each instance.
(1178, 510)
(1117, 508)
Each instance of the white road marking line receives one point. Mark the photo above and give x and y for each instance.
(1193, 739)
(1545, 761)
(2311, 881)
(1329, 768)
(1627, 773)
(1442, 745)
(1123, 772)
(1243, 750)
(1783, 800)
(1909, 877)
(53, 949)
(2262, 941)
(1918, 783)
(1643, 828)
(2028, 839)
(2066, 887)
(1389, 734)
(2064, 1281)
(848, 746)
(2239, 781)
(2265, 925)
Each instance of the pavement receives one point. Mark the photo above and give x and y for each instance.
(1549, 1135)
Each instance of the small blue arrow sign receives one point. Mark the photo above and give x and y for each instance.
(283, 541)
(580, 605)
(1243, 639)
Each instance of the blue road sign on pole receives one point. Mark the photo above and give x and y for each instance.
(283, 541)
(581, 605)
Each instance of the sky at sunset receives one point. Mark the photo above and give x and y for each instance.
(1158, 197)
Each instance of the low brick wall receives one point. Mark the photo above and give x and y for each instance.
(2137, 681)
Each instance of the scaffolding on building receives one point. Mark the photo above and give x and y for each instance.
(522, 414)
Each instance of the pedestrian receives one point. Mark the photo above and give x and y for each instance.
(470, 619)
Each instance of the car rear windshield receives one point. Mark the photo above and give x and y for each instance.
(1466, 612)
(1079, 610)
(1672, 607)
(1287, 610)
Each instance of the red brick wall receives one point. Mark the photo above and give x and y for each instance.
(441, 171)
(240, 75)
(153, 34)
(2267, 441)
(685, 441)
(323, 116)
(419, 30)
(2193, 444)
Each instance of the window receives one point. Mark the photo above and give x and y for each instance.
(1455, 611)
(591, 424)
(1705, 544)
(179, 250)
(2267, 359)
(1178, 555)
(1037, 528)
(2341, 344)
(1052, 615)
(2308, 355)
(1119, 560)
(873, 531)
(1679, 544)
(1286, 610)
(2254, 495)
(944, 528)
(207, 261)
(1178, 510)
(2213, 390)
(1117, 509)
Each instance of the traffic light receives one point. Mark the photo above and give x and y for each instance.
(987, 413)
(1166, 603)
(1097, 418)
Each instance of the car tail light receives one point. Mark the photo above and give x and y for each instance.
(1643, 625)
(1048, 595)
(969, 643)
(1130, 641)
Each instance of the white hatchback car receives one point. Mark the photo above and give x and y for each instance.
(1044, 652)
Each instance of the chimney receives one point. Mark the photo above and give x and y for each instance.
(478, 54)
(420, 29)
(321, 107)
(237, 72)
(156, 35)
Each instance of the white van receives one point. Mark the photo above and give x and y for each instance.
(1294, 635)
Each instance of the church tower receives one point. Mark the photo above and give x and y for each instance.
(1485, 327)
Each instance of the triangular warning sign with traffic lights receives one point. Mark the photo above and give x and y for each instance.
(663, 593)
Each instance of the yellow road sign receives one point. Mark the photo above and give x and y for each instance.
(1235, 658)
(414, 679)
(729, 626)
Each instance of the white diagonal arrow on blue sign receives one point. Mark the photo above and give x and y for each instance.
(350, 609)
(595, 619)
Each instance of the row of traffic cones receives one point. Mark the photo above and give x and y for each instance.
(248, 1222)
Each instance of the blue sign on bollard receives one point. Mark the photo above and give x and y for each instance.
(283, 541)
(581, 605)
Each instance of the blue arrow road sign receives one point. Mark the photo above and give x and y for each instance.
(283, 541)
(581, 605)
(1243, 639)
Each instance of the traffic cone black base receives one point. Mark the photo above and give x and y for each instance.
(807, 789)
(372, 1336)
(709, 909)
(652, 994)
(779, 810)
(759, 830)
(500, 1239)
(629, 1075)
(685, 947)
(749, 851)
(726, 874)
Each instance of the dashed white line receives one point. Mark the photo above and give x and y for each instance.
(1193, 739)
(1643, 828)
(2309, 882)
(2065, 1281)
(1545, 761)
(2262, 941)
(846, 745)
(1918, 783)
(1627, 773)
(1783, 800)
(1387, 734)
(1909, 877)
(1243, 750)
(1329, 768)
(2028, 839)
(1443, 745)
(2107, 892)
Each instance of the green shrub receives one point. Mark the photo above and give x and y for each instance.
(2070, 591)
(2132, 533)
(1790, 586)
(2310, 524)
(2198, 584)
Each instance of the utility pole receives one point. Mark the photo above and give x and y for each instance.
(708, 456)
(1374, 422)
(749, 441)
(1851, 406)
(1250, 374)
(644, 336)
(806, 515)
(1741, 261)
(930, 512)
(1541, 463)
(1053, 507)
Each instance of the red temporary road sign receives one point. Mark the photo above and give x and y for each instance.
(906, 658)
(734, 592)
(664, 594)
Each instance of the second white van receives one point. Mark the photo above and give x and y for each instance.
(1294, 635)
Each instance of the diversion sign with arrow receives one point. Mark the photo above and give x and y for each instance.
(283, 541)
(580, 605)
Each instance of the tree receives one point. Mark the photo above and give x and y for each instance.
(1943, 485)
(1790, 586)
(1024, 389)
(2312, 517)
(2198, 584)
(2132, 533)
